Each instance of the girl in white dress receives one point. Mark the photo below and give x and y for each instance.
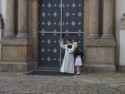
(68, 61)
(78, 60)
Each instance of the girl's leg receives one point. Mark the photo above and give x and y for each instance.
(78, 69)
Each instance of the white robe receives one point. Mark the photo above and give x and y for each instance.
(68, 61)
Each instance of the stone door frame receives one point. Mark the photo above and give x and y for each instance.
(34, 26)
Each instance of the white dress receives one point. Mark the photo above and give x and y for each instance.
(68, 61)
(78, 61)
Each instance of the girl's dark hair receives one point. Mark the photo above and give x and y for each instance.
(78, 52)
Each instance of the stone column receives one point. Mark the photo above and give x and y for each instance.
(22, 18)
(108, 19)
(0, 25)
(0, 34)
(10, 24)
(94, 19)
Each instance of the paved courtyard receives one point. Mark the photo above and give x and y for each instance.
(86, 83)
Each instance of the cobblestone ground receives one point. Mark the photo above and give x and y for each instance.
(86, 83)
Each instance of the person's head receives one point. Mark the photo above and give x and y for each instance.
(77, 49)
(68, 41)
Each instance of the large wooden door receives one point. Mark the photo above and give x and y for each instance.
(58, 19)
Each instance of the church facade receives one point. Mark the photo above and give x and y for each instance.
(30, 31)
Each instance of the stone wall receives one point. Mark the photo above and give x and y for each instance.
(19, 44)
(100, 45)
(16, 43)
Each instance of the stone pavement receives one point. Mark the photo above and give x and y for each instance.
(86, 83)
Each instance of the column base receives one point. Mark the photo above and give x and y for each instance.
(22, 35)
(110, 36)
(9, 35)
(93, 36)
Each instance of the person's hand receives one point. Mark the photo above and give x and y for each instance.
(61, 41)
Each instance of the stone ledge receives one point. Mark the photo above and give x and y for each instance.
(100, 42)
(121, 68)
(15, 41)
(13, 67)
(100, 68)
(17, 66)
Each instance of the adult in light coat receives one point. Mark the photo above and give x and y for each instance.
(68, 60)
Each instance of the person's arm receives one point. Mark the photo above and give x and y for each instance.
(82, 54)
(62, 45)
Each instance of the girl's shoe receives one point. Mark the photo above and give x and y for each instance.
(78, 73)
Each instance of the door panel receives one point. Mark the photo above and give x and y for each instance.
(49, 15)
(49, 50)
(72, 15)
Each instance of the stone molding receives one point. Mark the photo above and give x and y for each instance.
(101, 42)
(15, 41)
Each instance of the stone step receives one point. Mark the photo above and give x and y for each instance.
(48, 69)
